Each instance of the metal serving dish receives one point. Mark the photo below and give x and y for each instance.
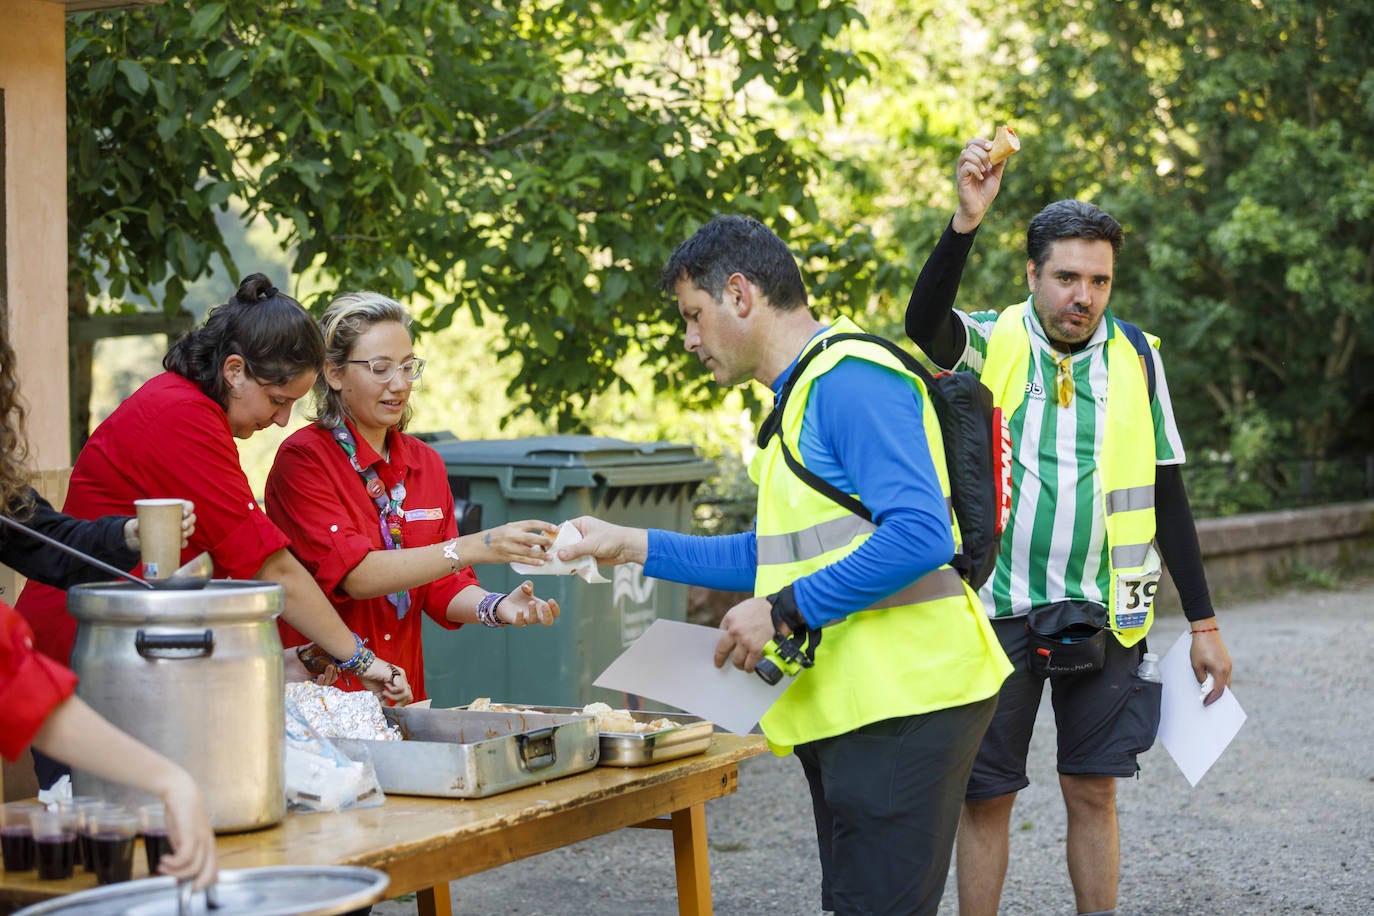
(273, 890)
(460, 753)
(637, 749)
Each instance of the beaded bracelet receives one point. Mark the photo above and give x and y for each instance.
(362, 658)
(486, 609)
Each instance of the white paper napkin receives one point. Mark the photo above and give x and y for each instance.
(584, 567)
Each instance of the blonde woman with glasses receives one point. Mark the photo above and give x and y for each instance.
(369, 510)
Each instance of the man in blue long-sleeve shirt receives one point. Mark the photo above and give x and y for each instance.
(887, 721)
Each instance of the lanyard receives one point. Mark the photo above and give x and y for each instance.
(389, 513)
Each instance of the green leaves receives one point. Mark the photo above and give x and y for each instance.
(532, 160)
(536, 162)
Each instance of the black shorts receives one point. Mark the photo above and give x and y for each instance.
(1102, 720)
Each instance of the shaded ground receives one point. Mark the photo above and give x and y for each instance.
(1283, 823)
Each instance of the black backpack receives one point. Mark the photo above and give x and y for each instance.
(977, 455)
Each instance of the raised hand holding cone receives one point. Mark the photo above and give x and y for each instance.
(1004, 143)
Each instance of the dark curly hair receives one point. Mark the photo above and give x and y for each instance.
(16, 496)
(274, 334)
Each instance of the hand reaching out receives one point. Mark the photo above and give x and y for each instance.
(521, 608)
(514, 542)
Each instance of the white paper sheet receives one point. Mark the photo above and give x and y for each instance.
(673, 663)
(552, 566)
(1193, 734)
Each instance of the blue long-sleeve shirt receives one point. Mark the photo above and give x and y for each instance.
(862, 432)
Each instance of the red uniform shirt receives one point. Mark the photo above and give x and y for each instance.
(316, 497)
(31, 686)
(166, 440)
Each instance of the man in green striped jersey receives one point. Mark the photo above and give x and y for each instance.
(1096, 483)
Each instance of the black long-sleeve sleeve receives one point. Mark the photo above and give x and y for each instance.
(102, 538)
(1178, 544)
(930, 321)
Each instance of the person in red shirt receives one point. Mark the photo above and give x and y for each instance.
(38, 707)
(369, 510)
(239, 372)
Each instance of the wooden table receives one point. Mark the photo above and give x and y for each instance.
(424, 843)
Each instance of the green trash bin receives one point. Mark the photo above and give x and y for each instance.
(557, 478)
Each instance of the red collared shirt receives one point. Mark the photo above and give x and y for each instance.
(31, 686)
(316, 497)
(167, 439)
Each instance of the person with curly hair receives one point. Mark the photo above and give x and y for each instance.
(38, 706)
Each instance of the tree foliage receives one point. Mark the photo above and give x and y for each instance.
(532, 160)
(1234, 142)
(537, 161)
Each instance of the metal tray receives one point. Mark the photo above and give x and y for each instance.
(459, 753)
(637, 749)
(271, 890)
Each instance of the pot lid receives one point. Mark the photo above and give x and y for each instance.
(222, 600)
(278, 890)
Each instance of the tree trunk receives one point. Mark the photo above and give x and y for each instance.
(79, 358)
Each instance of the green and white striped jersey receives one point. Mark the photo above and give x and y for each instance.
(1055, 544)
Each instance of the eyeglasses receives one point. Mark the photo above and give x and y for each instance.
(1063, 380)
(384, 370)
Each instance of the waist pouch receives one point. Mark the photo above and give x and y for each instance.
(1067, 638)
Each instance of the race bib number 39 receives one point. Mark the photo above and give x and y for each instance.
(1135, 594)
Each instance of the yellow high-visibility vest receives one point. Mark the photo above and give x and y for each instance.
(1126, 466)
(928, 647)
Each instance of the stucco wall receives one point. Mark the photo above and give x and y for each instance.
(32, 77)
(1260, 552)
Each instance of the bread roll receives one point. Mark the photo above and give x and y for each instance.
(1004, 143)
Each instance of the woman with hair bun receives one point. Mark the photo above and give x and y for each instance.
(237, 373)
(369, 509)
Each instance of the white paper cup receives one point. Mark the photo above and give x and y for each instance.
(159, 536)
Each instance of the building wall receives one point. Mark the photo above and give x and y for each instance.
(32, 78)
(33, 253)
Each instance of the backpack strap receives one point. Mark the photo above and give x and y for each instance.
(773, 422)
(1142, 346)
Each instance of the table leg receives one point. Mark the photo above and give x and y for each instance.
(689, 859)
(434, 901)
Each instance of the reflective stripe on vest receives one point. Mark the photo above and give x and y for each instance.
(927, 647)
(805, 545)
(810, 543)
(1126, 470)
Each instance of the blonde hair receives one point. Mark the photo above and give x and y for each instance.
(350, 316)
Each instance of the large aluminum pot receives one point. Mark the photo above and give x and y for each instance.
(196, 674)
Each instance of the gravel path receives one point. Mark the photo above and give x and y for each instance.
(1283, 823)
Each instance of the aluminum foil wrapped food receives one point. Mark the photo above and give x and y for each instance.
(336, 713)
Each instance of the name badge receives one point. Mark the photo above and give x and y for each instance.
(424, 515)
